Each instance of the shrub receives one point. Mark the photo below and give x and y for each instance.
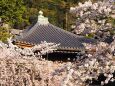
(4, 34)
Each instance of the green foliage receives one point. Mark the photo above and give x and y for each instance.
(20, 13)
(91, 35)
(12, 11)
(112, 21)
(56, 10)
(4, 34)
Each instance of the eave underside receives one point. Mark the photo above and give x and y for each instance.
(59, 49)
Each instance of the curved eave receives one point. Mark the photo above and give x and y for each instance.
(29, 45)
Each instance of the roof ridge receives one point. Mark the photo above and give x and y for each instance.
(30, 31)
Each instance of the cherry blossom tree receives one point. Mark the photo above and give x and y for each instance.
(22, 67)
(11, 50)
(95, 19)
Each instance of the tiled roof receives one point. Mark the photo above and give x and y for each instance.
(51, 33)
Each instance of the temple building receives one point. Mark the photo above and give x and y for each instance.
(45, 31)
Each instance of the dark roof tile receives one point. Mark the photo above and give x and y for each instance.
(51, 33)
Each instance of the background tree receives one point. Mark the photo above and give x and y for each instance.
(12, 12)
(22, 12)
(56, 10)
(4, 34)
